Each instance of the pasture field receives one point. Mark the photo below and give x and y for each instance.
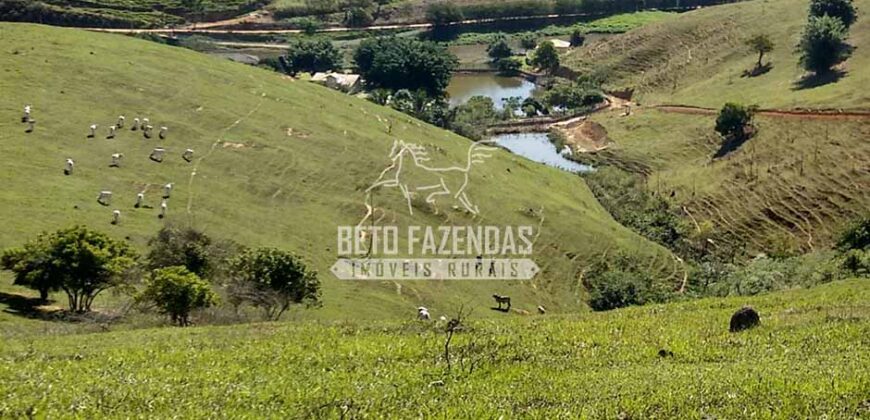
(278, 162)
(807, 359)
(793, 185)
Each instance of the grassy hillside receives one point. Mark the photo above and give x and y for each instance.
(698, 58)
(808, 359)
(793, 185)
(278, 163)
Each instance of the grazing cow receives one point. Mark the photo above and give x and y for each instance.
(187, 155)
(26, 117)
(116, 217)
(30, 124)
(422, 314)
(163, 207)
(147, 131)
(140, 199)
(143, 124)
(157, 154)
(116, 160)
(167, 190)
(120, 122)
(162, 133)
(93, 131)
(111, 132)
(542, 310)
(502, 300)
(135, 125)
(68, 169)
(105, 198)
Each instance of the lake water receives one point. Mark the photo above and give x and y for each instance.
(465, 85)
(537, 147)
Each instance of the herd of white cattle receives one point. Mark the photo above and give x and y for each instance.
(157, 155)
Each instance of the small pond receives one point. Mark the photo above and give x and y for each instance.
(465, 85)
(537, 147)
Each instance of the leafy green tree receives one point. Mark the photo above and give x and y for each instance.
(190, 248)
(473, 117)
(508, 66)
(577, 38)
(856, 236)
(313, 55)
(195, 9)
(841, 9)
(272, 280)
(405, 63)
(499, 48)
(528, 40)
(822, 44)
(308, 25)
(546, 57)
(81, 262)
(176, 292)
(510, 106)
(734, 120)
(443, 13)
(358, 17)
(573, 96)
(760, 44)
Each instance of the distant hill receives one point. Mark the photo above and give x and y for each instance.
(798, 180)
(278, 162)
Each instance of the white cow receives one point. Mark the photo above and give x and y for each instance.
(140, 199)
(135, 125)
(187, 155)
(157, 154)
(116, 160)
(26, 117)
(116, 217)
(105, 198)
(144, 123)
(111, 132)
(422, 314)
(163, 131)
(147, 131)
(163, 207)
(120, 122)
(68, 169)
(93, 132)
(167, 190)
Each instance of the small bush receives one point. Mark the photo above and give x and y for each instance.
(175, 291)
(856, 236)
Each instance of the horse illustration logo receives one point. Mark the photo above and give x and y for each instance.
(408, 157)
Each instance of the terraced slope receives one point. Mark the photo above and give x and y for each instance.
(277, 162)
(797, 181)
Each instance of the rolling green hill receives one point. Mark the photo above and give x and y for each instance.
(797, 181)
(278, 162)
(807, 359)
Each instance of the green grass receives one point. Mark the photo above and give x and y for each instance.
(254, 182)
(794, 184)
(808, 359)
(698, 58)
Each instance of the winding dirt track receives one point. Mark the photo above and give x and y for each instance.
(798, 113)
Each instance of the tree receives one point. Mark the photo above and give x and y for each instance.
(272, 280)
(443, 13)
(546, 57)
(175, 291)
(405, 63)
(573, 96)
(841, 9)
(473, 117)
(499, 48)
(190, 248)
(81, 262)
(577, 38)
(821, 44)
(760, 44)
(358, 17)
(856, 236)
(313, 55)
(528, 40)
(308, 25)
(508, 66)
(734, 120)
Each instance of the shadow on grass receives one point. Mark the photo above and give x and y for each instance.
(730, 145)
(29, 307)
(816, 80)
(758, 70)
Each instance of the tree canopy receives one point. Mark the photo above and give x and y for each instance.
(313, 55)
(405, 63)
(81, 262)
(175, 291)
(841, 9)
(733, 120)
(499, 48)
(272, 279)
(443, 13)
(760, 44)
(822, 44)
(546, 57)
